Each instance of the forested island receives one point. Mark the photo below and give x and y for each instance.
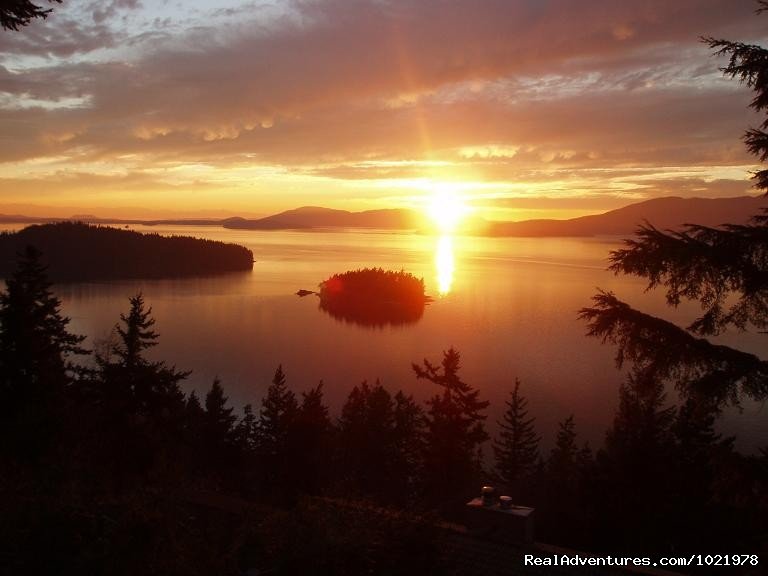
(374, 297)
(76, 251)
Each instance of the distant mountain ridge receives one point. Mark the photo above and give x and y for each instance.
(671, 212)
(318, 217)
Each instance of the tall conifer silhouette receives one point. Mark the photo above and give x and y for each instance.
(35, 345)
(517, 447)
(133, 382)
(455, 431)
(278, 411)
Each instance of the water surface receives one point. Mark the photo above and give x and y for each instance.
(508, 305)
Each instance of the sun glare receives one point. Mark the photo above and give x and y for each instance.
(446, 208)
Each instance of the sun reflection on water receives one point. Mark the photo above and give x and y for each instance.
(444, 264)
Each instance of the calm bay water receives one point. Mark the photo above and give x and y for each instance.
(508, 305)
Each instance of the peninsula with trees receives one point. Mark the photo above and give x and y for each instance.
(77, 252)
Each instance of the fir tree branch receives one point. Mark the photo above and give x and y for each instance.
(708, 265)
(670, 353)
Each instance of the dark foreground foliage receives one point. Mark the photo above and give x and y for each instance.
(115, 469)
(347, 537)
(374, 297)
(77, 252)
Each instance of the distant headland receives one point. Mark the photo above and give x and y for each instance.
(75, 251)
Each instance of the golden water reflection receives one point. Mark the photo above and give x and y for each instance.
(444, 264)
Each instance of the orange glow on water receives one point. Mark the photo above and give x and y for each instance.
(444, 264)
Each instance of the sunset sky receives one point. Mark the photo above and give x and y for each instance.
(526, 108)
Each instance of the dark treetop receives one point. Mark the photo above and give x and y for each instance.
(15, 14)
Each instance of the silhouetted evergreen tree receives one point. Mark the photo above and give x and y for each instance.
(246, 430)
(562, 459)
(455, 432)
(564, 518)
(409, 443)
(220, 419)
(749, 64)
(379, 441)
(274, 442)
(309, 441)
(132, 383)
(35, 345)
(517, 447)
(137, 335)
(712, 483)
(278, 410)
(366, 438)
(194, 427)
(193, 408)
(679, 462)
(642, 426)
(723, 269)
(142, 408)
(246, 439)
(219, 434)
(638, 466)
(35, 353)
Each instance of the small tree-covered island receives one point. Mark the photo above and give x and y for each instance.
(374, 297)
(74, 251)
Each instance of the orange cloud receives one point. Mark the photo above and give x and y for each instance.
(330, 86)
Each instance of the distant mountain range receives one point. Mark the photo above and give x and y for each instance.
(664, 213)
(317, 217)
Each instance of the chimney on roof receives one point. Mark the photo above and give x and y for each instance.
(498, 519)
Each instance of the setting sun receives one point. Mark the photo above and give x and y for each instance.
(446, 208)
